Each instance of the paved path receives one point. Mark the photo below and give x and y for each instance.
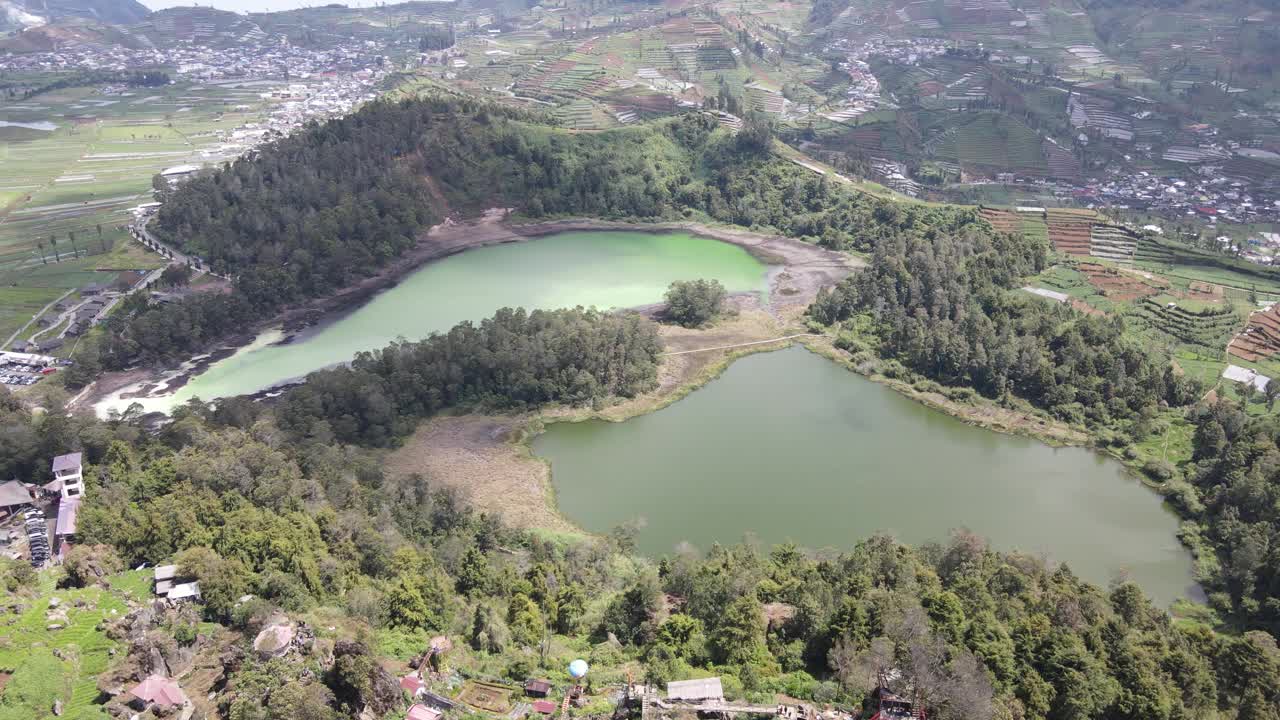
(43, 310)
(730, 347)
(174, 255)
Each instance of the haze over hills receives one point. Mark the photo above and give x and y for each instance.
(256, 6)
(287, 299)
(29, 12)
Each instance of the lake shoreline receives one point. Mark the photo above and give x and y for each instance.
(796, 270)
(537, 508)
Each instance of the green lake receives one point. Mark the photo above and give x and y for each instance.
(601, 269)
(790, 446)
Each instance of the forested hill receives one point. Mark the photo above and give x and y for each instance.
(314, 529)
(308, 214)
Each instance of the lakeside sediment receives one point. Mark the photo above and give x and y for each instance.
(800, 269)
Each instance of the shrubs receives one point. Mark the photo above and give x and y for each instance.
(89, 564)
(693, 303)
(1159, 470)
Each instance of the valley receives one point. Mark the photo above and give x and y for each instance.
(639, 360)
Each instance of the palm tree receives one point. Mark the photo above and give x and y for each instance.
(72, 237)
(43, 260)
(54, 242)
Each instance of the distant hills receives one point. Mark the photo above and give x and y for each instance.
(16, 14)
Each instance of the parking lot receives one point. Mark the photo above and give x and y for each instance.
(19, 375)
(21, 369)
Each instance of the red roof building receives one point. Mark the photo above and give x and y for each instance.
(422, 712)
(546, 707)
(157, 690)
(412, 684)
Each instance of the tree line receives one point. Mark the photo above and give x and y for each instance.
(1231, 493)
(307, 215)
(967, 632)
(941, 305)
(514, 360)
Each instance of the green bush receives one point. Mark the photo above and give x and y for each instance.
(693, 303)
(1160, 470)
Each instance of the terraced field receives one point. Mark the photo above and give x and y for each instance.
(1119, 286)
(1210, 327)
(1070, 231)
(57, 653)
(1002, 220)
(1112, 242)
(1240, 279)
(74, 183)
(1261, 338)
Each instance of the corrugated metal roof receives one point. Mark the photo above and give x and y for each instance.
(14, 493)
(184, 591)
(68, 510)
(66, 462)
(703, 689)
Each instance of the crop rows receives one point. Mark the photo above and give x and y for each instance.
(1210, 329)
(1261, 339)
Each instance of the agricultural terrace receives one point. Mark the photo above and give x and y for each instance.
(1191, 321)
(56, 645)
(618, 64)
(76, 161)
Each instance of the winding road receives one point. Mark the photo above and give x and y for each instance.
(43, 310)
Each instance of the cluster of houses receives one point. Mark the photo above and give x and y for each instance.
(265, 58)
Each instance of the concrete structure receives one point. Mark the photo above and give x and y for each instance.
(68, 470)
(696, 691)
(163, 578)
(68, 512)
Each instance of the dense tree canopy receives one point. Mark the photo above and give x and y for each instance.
(941, 304)
(309, 214)
(512, 360)
(970, 633)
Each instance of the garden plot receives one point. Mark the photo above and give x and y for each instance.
(1070, 231)
(1119, 286)
(1112, 242)
(1261, 338)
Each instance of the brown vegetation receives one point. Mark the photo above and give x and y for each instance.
(1117, 285)
(1261, 338)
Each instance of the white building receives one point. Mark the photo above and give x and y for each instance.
(67, 471)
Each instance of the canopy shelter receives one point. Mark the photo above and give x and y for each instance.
(14, 493)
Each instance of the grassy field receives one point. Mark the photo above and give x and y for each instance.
(51, 663)
(67, 183)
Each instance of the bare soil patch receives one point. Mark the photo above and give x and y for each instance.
(1117, 285)
(480, 458)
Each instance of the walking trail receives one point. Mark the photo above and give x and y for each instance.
(738, 345)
